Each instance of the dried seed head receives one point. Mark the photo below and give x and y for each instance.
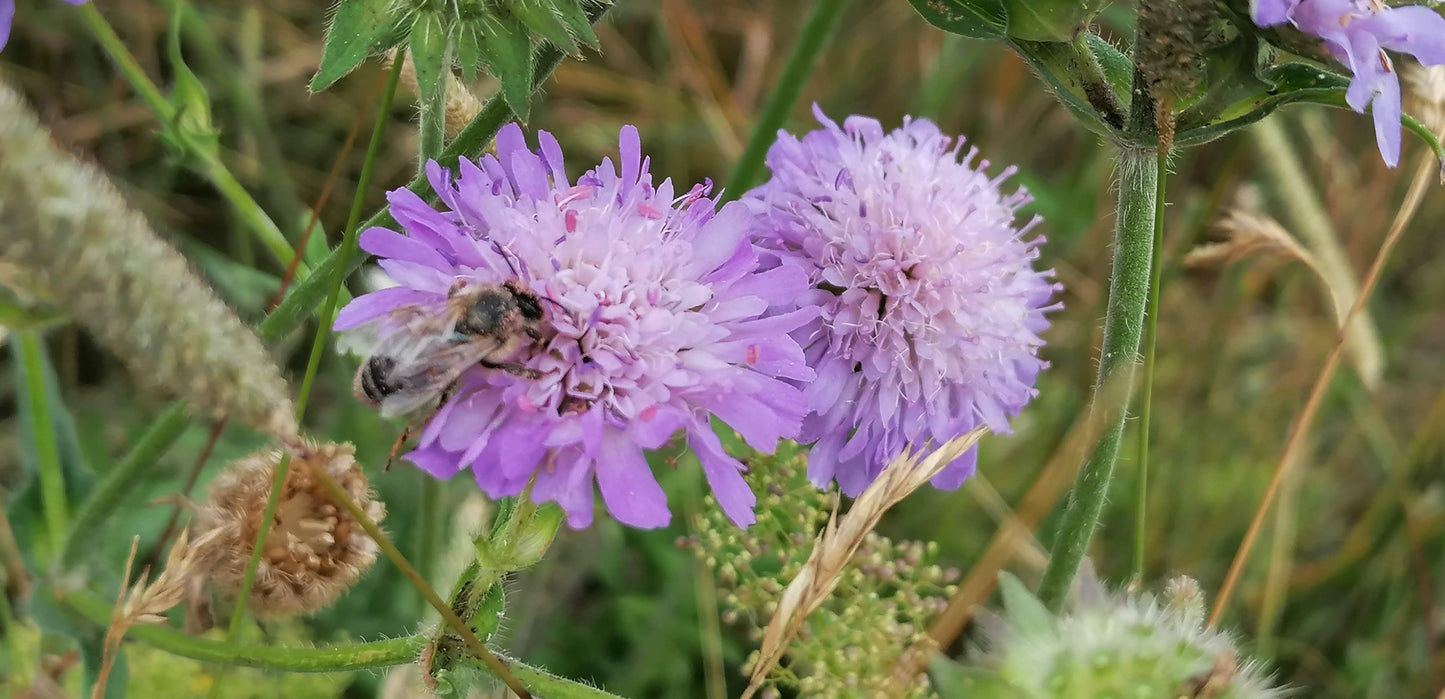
(1173, 36)
(70, 238)
(314, 551)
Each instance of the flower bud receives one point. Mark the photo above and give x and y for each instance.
(1121, 645)
(314, 551)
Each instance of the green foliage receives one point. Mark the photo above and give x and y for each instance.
(884, 600)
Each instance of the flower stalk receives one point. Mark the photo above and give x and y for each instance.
(1151, 327)
(1123, 329)
(347, 252)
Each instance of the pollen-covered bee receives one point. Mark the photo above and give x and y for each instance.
(416, 363)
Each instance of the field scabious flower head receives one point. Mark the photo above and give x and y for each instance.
(931, 307)
(1357, 32)
(7, 17)
(657, 318)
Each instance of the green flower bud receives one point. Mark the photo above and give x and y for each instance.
(1111, 646)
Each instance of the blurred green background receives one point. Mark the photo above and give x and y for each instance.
(1341, 595)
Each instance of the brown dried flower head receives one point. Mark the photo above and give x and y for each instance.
(314, 552)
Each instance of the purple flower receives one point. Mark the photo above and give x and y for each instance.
(657, 319)
(931, 306)
(1357, 32)
(7, 17)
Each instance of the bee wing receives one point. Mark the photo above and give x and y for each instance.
(426, 367)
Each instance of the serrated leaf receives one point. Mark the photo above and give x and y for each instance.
(508, 51)
(358, 28)
(578, 25)
(1025, 612)
(976, 19)
(429, 55)
(539, 16)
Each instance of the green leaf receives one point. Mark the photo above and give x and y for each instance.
(1049, 20)
(977, 19)
(540, 17)
(1292, 83)
(508, 49)
(469, 51)
(579, 26)
(429, 55)
(952, 680)
(1025, 612)
(26, 514)
(358, 28)
(488, 617)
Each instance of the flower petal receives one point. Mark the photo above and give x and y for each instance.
(628, 488)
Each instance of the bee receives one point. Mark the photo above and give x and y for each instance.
(418, 364)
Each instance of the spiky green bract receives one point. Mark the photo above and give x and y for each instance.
(887, 594)
(494, 35)
(1105, 646)
(69, 238)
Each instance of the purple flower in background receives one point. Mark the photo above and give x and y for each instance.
(7, 17)
(1357, 32)
(657, 318)
(931, 306)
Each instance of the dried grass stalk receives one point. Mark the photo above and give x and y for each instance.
(71, 239)
(144, 603)
(1253, 235)
(839, 540)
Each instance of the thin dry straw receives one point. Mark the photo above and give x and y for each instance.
(70, 238)
(1423, 176)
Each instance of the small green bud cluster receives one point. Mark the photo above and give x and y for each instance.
(880, 609)
(1107, 646)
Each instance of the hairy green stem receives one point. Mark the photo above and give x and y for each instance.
(1123, 326)
(786, 92)
(494, 665)
(129, 68)
(339, 658)
(323, 330)
(1151, 326)
(359, 656)
(47, 453)
(121, 481)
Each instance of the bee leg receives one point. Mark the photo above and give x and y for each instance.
(397, 445)
(514, 369)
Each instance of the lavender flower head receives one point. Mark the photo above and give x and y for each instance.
(1357, 32)
(931, 306)
(7, 17)
(657, 318)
